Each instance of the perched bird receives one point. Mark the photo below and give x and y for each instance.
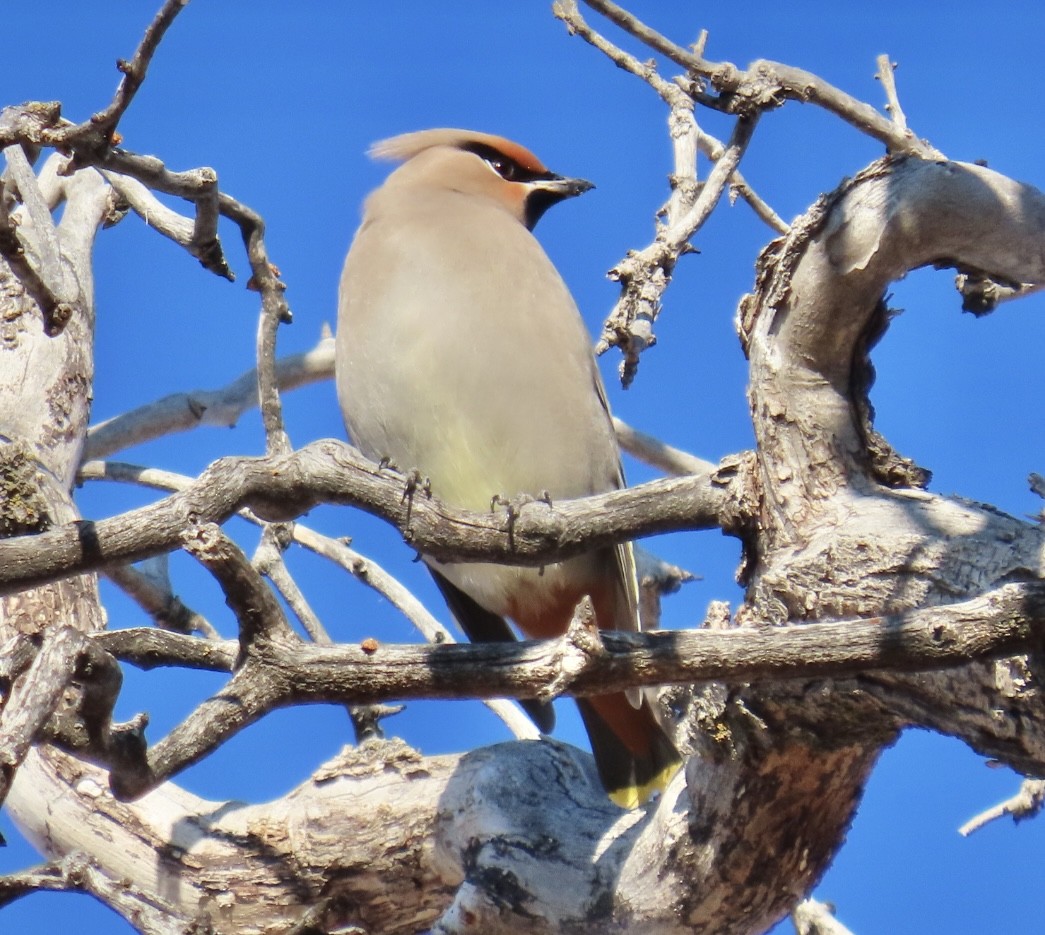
(461, 354)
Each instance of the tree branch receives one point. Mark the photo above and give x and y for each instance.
(1027, 803)
(283, 487)
(1007, 621)
(282, 670)
(150, 587)
(34, 697)
(222, 407)
(199, 237)
(815, 918)
(337, 551)
(77, 873)
(644, 275)
(100, 130)
(765, 85)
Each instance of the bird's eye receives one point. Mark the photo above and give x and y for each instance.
(504, 167)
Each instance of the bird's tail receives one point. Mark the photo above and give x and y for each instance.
(633, 754)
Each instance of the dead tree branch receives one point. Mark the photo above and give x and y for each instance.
(283, 487)
(277, 669)
(1027, 803)
(221, 407)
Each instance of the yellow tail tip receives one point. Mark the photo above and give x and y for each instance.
(636, 795)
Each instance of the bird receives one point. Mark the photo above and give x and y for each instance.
(461, 355)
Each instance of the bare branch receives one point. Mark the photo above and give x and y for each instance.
(150, 586)
(222, 407)
(1006, 621)
(659, 454)
(201, 185)
(274, 311)
(714, 149)
(256, 608)
(37, 218)
(102, 125)
(281, 488)
(148, 648)
(1027, 803)
(644, 275)
(44, 279)
(76, 872)
(365, 570)
(815, 918)
(268, 561)
(766, 85)
(337, 551)
(199, 237)
(887, 75)
(676, 98)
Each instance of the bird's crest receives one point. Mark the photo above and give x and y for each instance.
(408, 145)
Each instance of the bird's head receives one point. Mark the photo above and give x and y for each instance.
(479, 164)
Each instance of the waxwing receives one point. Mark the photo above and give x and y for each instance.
(461, 355)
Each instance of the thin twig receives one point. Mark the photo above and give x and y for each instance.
(274, 312)
(268, 560)
(659, 454)
(223, 406)
(714, 150)
(672, 94)
(645, 274)
(887, 75)
(1026, 803)
(766, 85)
(104, 122)
(149, 586)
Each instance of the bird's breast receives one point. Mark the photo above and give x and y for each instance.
(461, 354)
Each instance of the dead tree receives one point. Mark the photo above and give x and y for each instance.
(871, 604)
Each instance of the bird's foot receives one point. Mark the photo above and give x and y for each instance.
(414, 481)
(513, 507)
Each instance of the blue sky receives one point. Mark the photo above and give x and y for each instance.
(283, 105)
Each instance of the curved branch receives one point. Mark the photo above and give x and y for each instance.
(818, 300)
(283, 487)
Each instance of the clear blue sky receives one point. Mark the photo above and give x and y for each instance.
(283, 105)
